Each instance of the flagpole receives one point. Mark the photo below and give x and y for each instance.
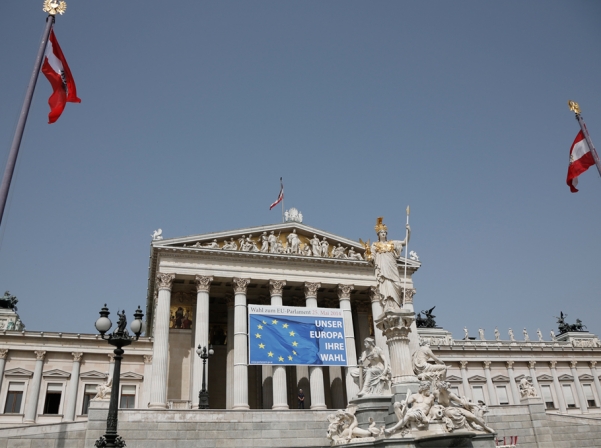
(406, 252)
(282, 187)
(574, 107)
(14, 149)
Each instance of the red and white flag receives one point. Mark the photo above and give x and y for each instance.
(581, 159)
(57, 71)
(280, 196)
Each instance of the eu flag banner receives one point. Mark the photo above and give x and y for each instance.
(288, 335)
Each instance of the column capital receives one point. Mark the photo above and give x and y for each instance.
(229, 300)
(532, 364)
(487, 364)
(77, 356)
(3, 353)
(510, 364)
(276, 287)
(573, 364)
(203, 282)
(40, 354)
(552, 364)
(164, 281)
(409, 293)
(111, 357)
(344, 291)
(374, 295)
(593, 364)
(147, 359)
(463, 364)
(240, 285)
(311, 289)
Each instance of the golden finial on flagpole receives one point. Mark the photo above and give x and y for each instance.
(574, 107)
(53, 6)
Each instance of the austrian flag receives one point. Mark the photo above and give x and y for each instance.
(57, 71)
(581, 159)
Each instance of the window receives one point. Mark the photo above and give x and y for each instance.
(588, 395)
(502, 395)
(567, 393)
(53, 398)
(547, 397)
(478, 394)
(128, 397)
(89, 392)
(14, 398)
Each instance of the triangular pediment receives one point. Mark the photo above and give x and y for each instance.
(93, 375)
(56, 373)
(476, 379)
(544, 377)
(250, 241)
(586, 377)
(519, 378)
(131, 376)
(566, 377)
(500, 379)
(18, 372)
(453, 379)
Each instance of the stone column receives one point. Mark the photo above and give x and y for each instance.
(581, 399)
(492, 396)
(280, 389)
(147, 381)
(344, 296)
(336, 381)
(229, 393)
(201, 334)
(514, 389)
(558, 391)
(73, 386)
(240, 344)
(3, 353)
(376, 311)
(595, 378)
(34, 389)
(466, 385)
(531, 365)
(111, 364)
(396, 326)
(160, 352)
(318, 396)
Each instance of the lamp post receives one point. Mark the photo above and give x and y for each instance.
(119, 338)
(203, 395)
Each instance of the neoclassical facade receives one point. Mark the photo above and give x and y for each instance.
(199, 288)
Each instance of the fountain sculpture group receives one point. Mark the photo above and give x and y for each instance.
(404, 402)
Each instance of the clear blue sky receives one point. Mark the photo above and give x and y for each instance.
(192, 110)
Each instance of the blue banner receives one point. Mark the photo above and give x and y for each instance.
(296, 336)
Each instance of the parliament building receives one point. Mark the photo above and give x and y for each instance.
(199, 290)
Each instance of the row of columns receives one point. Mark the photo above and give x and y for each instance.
(492, 397)
(237, 347)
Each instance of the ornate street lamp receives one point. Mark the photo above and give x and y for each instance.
(203, 395)
(119, 338)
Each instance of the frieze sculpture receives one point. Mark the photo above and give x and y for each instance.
(564, 327)
(315, 246)
(383, 254)
(344, 427)
(427, 321)
(8, 301)
(373, 376)
(527, 390)
(339, 251)
(293, 243)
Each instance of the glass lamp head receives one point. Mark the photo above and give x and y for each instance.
(211, 351)
(104, 324)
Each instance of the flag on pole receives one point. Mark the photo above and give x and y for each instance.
(280, 196)
(57, 71)
(581, 159)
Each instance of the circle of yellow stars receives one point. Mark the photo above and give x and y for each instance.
(270, 354)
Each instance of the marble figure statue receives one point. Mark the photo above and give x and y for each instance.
(373, 375)
(466, 334)
(414, 410)
(539, 334)
(293, 243)
(338, 252)
(315, 246)
(352, 255)
(511, 336)
(413, 256)
(264, 243)
(527, 390)
(344, 427)
(497, 334)
(273, 243)
(103, 391)
(481, 334)
(423, 368)
(324, 247)
(458, 410)
(526, 337)
(157, 235)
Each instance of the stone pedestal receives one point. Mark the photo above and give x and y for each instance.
(375, 406)
(396, 326)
